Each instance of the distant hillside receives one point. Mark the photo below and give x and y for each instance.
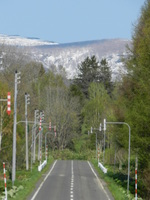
(16, 40)
(69, 55)
(72, 54)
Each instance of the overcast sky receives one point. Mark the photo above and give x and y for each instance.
(66, 21)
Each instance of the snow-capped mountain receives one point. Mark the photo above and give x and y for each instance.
(20, 41)
(72, 54)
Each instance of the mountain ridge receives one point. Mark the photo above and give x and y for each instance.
(70, 55)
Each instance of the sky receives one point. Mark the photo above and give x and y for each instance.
(66, 21)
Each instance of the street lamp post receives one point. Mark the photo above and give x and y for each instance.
(128, 149)
(17, 78)
(95, 139)
(99, 129)
(104, 129)
(27, 101)
(32, 143)
(36, 116)
(40, 135)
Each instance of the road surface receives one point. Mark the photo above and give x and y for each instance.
(71, 180)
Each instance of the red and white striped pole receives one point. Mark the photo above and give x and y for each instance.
(8, 103)
(5, 181)
(40, 124)
(50, 126)
(136, 166)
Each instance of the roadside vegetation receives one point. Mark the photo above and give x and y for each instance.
(25, 182)
(75, 106)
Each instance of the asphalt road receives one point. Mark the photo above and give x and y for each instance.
(71, 180)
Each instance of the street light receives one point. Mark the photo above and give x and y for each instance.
(36, 117)
(104, 129)
(27, 101)
(128, 149)
(40, 135)
(17, 81)
(99, 129)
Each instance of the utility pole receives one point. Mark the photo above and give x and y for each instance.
(104, 129)
(27, 101)
(17, 78)
(40, 129)
(40, 134)
(96, 142)
(36, 116)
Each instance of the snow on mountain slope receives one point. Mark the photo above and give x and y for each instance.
(19, 41)
(71, 55)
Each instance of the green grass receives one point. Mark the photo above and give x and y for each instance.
(118, 192)
(26, 181)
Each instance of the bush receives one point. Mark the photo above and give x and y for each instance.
(66, 154)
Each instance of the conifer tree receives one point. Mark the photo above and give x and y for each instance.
(136, 93)
(91, 71)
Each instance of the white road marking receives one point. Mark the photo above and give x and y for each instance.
(72, 180)
(98, 180)
(43, 181)
(61, 175)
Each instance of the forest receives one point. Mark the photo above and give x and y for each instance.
(75, 106)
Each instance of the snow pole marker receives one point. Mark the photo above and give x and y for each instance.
(136, 164)
(5, 181)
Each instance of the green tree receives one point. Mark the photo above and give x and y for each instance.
(135, 87)
(91, 71)
(87, 73)
(97, 106)
(135, 92)
(105, 76)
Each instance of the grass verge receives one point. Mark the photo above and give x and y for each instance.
(118, 192)
(25, 182)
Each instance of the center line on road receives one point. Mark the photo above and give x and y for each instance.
(72, 181)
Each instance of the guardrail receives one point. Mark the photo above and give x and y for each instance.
(40, 167)
(102, 168)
